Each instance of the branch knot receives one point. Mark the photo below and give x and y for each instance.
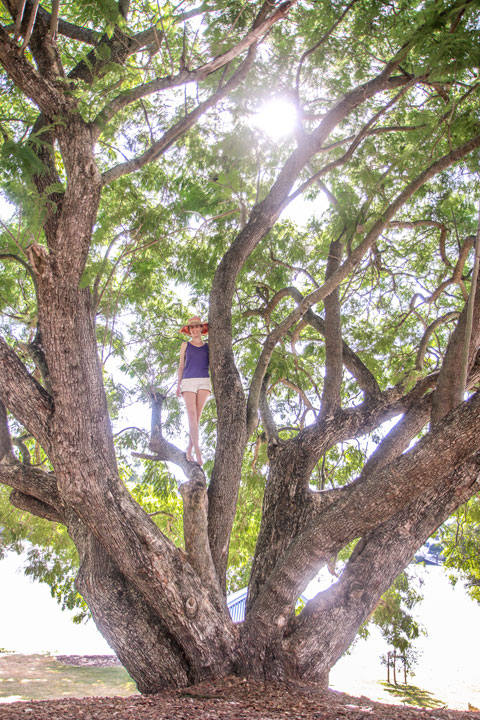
(191, 607)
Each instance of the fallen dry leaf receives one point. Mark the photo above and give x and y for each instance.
(229, 699)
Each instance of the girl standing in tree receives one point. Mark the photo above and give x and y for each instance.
(193, 380)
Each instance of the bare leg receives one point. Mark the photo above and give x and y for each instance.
(191, 405)
(189, 449)
(202, 397)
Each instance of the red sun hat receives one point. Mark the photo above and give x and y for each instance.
(194, 321)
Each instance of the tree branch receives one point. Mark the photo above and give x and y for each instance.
(333, 338)
(270, 306)
(365, 379)
(177, 130)
(30, 24)
(195, 503)
(6, 450)
(357, 139)
(35, 507)
(123, 7)
(268, 421)
(467, 340)
(413, 224)
(362, 505)
(303, 396)
(403, 432)
(373, 131)
(24, 397)
(24, 263)
(75, 32)
(293, 268)
(183, 125)
(48, 95)
(166, 451)
(204, 7)
(379, 557)
(400, 436)
(428, 334)
(349, 265)
(54, 20)
(351, 361)
(318, 44)
(290, 507)
(200, 73)
(18, 17)
(457, 272)
(449, 391)
(120, 47)
(34, 490)
(132, 95)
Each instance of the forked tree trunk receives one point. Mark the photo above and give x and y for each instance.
(163, 609)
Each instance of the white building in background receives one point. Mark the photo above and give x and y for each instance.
(237, 601)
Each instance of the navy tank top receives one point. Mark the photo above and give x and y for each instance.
(196, 361)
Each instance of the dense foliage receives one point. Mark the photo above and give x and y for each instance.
(188, 155)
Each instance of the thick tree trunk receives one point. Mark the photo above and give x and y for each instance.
(329, 623)
(307, 646)
(135, 580)
(161, 608)
(157, 606)
(125, 620)
(151, 582)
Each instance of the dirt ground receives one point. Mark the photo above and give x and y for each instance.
(230, 699)
(91, 688)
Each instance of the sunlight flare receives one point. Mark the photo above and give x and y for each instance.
(276, 118)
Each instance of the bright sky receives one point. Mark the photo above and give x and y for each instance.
(6, 209)
(448, 666)
(31, 621)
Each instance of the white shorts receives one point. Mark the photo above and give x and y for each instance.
(195, 384)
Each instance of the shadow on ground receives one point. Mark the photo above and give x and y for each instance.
(413, 695)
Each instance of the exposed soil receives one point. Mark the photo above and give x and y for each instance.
(230, 699)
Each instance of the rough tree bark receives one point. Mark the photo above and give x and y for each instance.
(162, 608)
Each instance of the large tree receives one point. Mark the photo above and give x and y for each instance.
(120, 123)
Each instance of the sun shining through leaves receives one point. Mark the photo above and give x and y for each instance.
(185, 156)
(276, 118)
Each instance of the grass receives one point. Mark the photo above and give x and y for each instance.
(41, 677)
